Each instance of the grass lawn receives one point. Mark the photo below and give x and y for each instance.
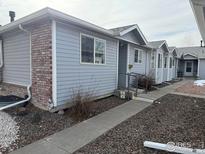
(172, 118)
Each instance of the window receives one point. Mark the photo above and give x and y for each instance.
(87, 49)
(138, 56)
(170, 64)
(159, 61)
(152, 59)
(99, 51)
(165, 62)
(173, 62)
(92, 50)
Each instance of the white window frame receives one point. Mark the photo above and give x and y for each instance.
(159, 62)
(95, 38)
(140, 52)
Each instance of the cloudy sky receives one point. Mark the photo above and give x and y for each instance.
(171, 20)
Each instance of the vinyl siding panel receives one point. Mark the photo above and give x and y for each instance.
(72, 75)
(16, 48)
(131, 36)
(137, 67)
(202, 69)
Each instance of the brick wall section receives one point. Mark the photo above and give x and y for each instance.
(41, 44)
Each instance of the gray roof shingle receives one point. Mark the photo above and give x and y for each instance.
(116, 31)
(196, 51)
(155, 44)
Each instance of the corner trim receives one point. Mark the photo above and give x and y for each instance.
(54, 75)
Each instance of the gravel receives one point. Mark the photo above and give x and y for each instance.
(177, 119)
(34, 124)
(8, 130)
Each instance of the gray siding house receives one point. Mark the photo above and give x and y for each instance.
(53, 56)
(58, 55)
(133, 51)
(191, 62)
(161, 61)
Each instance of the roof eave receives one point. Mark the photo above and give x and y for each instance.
(55, 14)
(144, 46)
(132, 28)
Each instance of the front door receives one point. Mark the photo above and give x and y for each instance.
(188, 68)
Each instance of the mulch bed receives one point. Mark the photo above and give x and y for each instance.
(177, 119)
(36, 124)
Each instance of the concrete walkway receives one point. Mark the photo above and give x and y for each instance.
(153, 95)
(73, 138)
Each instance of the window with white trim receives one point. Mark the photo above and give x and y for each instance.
(138, 56)
(152, 59)
(92, 50)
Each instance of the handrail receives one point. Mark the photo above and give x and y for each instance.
(136, 75)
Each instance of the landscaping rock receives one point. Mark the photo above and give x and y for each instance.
(8, 131)
(61, 112)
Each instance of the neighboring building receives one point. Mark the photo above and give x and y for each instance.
(191, 62)
(198, 7)
(160, 60)
(133, 51)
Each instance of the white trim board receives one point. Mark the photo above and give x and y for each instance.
(132, 28)
(54, 65)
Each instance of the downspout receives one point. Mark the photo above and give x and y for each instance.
(1, 59)
(172, 148)
(146, 63)
(1, 54)
(29, 86)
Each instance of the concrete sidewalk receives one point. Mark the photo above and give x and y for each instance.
(73, 138)
(153, 95)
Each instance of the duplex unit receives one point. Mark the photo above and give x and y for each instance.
(56, 55)
(191, 62)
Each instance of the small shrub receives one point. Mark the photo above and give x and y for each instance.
(82, 105)
(144, 82)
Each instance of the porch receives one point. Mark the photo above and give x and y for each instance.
(187, 68)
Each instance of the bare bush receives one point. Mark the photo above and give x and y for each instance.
(82, 105)
(144, 82)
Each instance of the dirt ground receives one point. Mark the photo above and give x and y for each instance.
(172, 118)
(36, 124)
(190, 88)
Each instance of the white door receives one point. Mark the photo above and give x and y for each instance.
(188, 68)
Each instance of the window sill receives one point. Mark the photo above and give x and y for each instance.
(92, 64)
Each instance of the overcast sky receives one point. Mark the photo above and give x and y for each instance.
(170, 20)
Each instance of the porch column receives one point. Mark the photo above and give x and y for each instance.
(198, 68)
(156, 65)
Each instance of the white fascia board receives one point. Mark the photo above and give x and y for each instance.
(25, 20)
(53, 13)
(127, 30)
(142, 46)
(66, 17)
(132, 28)
(54, 65)
(190, 55)
(197, 7)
